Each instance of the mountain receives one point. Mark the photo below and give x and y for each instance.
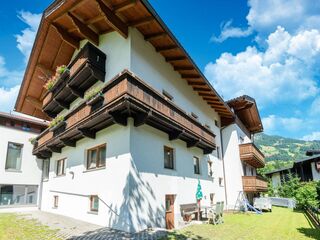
(280, 151)
(277, 148)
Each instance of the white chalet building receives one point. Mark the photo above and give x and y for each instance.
(136, 124)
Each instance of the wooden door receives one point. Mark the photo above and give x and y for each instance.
(170, 211)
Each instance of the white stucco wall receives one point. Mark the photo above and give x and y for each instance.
(315, 173)
(30, 173)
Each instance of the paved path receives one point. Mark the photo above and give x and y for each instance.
(73, 229)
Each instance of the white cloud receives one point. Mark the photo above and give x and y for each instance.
(26, 38)
(311, 137)
(284, 71)
(9, 78)
(8, 97)
(272, 123)
(227, 31)
(315, 107)
(294, 15)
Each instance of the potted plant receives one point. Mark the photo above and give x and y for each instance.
(61, 72)
(56, 123)
(33, 140)
(94, 96)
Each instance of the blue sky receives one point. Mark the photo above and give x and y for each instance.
(268, 49)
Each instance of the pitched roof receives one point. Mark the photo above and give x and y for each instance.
(23, 119)
(246, 109)
(66, 22)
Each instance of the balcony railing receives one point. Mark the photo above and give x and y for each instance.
(254, 184)
(126, 96)
(251, 155)
(86, 69)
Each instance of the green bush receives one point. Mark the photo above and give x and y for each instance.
(306, 195)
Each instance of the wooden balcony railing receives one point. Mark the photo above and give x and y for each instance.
(86, 69)
(254, 184)
(126, 96)
(250, 154)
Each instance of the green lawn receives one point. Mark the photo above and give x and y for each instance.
(13, 227)
(281, 224)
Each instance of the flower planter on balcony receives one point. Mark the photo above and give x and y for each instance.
(95, 102)
(59, 128)
(86, 69)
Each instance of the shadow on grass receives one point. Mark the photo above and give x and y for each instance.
(183, 236)
(311, 232)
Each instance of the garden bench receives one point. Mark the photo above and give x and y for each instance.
(187, 210)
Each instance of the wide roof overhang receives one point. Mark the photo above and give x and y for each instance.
(246, 110)
(66, 22)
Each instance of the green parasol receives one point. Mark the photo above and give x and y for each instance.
(199, 196)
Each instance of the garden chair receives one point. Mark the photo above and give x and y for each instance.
(215, 214)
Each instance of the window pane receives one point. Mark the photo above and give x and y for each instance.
(94, 203)
(92, 158)
(102, 156)
(168, 158)
(196, 165)
(60, 167)
(14, 156)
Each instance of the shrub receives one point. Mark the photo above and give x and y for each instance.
(93, 93)
(289, 188)
(32, 140)
(306, 195)
(56, 121)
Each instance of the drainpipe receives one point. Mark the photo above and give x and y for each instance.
(224, 172)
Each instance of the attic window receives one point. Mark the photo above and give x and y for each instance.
(194, 115)
(167, 95)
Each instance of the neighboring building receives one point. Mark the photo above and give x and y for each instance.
(20, 171)
(241, 156)
(307, 169)
(131, 155)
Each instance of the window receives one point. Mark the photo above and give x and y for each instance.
(196, 165)
(96, 157)
(244, 169)
(45, 169)
(211, 198)
(167, 95)
(216, 123)
(94, 203)
(218, 152)
(60, 171)
(168, 158)
(26, 127)
(55, 201)
(252, 172)
(195, 116)
(14, 154)
(220, 181)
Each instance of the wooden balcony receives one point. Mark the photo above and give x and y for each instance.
(251, 155)
(126, 96)
(86, 69)
(254, 184)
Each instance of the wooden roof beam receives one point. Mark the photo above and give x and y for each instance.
(196, 83)
(174, 59)
(84, 29)
(208, 95)
(154, 36)
(65, 36)
(183, 68)
(124, 5)
(167, 48)
(113, 20)
(202, 89)
(141, 22)
(211, 99)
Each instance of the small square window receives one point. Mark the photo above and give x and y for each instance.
(55, 201)
(195, 116)
(60, 170)
(94, 203)
(168, 157)
(96, 157)
(167, 95)
(196, 165)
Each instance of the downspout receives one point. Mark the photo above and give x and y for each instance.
(224, 172)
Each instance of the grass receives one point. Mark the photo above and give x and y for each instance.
(14, 227)
(281, 224)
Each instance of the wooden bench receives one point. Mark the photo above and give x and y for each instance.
(187, 210)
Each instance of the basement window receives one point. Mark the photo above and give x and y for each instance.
(55, 201)
(167, 95)
(94, 203)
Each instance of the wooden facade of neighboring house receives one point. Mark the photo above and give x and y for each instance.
(307, 169)
(128, 157)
